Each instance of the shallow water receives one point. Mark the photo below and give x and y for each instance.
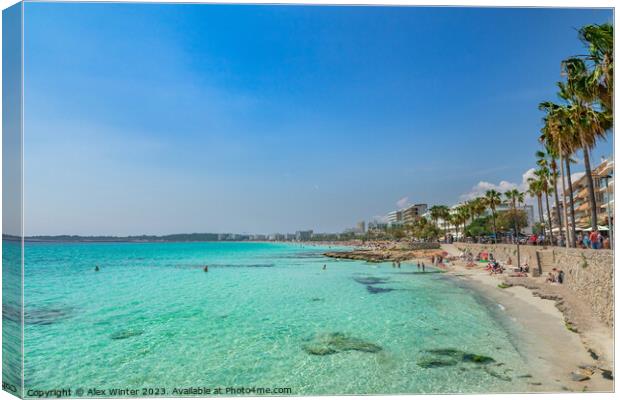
(152, 318)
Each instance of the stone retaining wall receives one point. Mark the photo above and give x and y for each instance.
(588, 273)
(423, 246)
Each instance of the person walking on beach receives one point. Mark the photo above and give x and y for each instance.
(594, 239)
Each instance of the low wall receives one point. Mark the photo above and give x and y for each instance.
(587, 273)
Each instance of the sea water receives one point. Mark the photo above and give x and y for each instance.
(152, 318)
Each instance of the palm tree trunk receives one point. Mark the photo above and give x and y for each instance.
(568, 237)
(541, 216)
(557, 202)
(571, 200)
(494, 227)
(549, 218)
(593, 213)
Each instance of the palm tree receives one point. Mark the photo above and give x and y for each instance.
(558, 133)
(492, 199)
(547, 159)
(543, 176)
(589, 123)
(435, 212)
(535, 190)
(600, 42)
(478, 206)
(515, 197)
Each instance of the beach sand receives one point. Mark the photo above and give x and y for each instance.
(555, 353)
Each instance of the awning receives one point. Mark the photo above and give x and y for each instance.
(600, 228)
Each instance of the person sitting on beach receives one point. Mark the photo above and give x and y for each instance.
(560, 278)
(550, 278)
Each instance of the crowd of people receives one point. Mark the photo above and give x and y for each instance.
(593, 240)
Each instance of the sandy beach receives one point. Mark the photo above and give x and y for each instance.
(556, 333)
(559, 356)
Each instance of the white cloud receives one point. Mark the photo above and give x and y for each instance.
(481, 187)
(402, 203)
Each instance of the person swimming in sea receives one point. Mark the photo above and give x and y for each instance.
(206, 268)
(324, 267)
(96, 268)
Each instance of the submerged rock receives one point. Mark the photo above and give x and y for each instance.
(375, 290)
(436, 358)
(369, 280)
(337, 342)
(126, 333)
(429, 362)
(477, 358)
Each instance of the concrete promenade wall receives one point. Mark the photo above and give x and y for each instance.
(587, 273)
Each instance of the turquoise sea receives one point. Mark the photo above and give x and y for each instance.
(266, 315)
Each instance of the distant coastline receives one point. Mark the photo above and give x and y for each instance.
(172, 238)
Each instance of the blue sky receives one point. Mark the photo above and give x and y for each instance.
(208, 118)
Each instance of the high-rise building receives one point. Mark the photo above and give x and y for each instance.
(414, 212)
(360, 227)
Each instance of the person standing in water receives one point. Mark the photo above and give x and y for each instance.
(206, 268)
(423, 267)
(324, 267)
(418, 265)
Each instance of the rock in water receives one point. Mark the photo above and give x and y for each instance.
(337, 342)
(577, 377)
(375, 290)
(126, 333)
(448, 357)
(477, 358)
(429, 362)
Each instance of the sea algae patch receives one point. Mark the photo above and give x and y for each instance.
(448, 357)
(369, 280)
(126, 333)
(336, 342)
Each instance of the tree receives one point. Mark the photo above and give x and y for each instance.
(547, 159)
(590, 124)
(492, 200)
(559, 133)
(506, 220)
(599, 40)
(542, 174)
(516, 198)
(535, 191)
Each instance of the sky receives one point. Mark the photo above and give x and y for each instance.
(156, 119)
